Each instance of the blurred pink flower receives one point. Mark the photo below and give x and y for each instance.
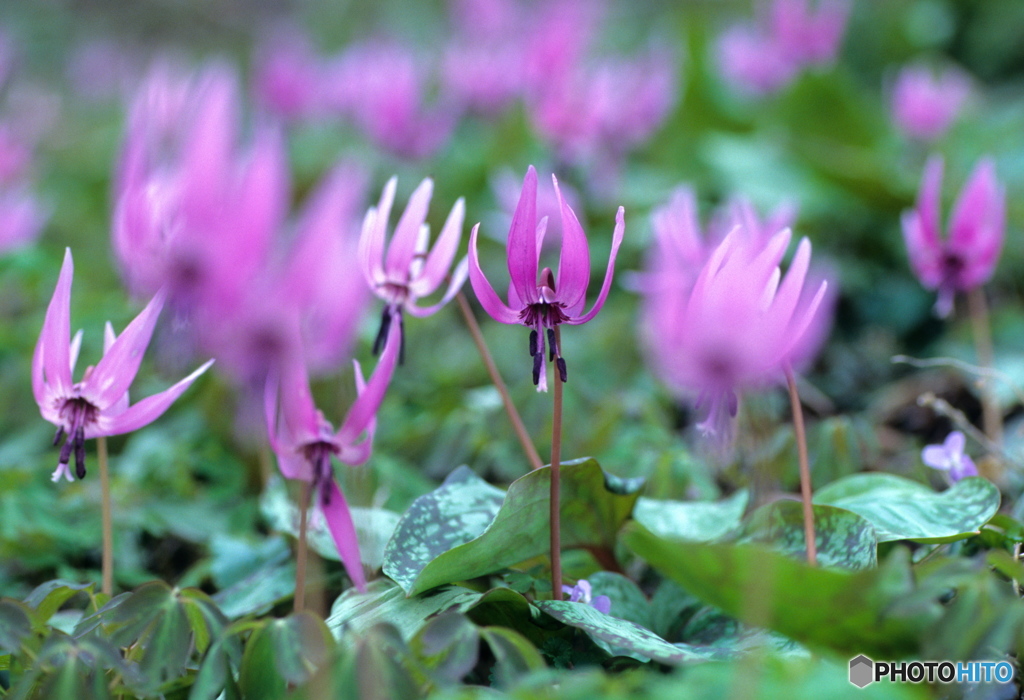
(407, 272)
(950, 457)
(754, 62)
(98, 405)
(809, 36)
(542, 302)
(304, 442)
(288, 78)
(967, 257)
(21, 218)
(739, 327)
(926, 103)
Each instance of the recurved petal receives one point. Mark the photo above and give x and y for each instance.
(620, 229)
(522, 242)
(976, 210)
(114, 373)
(339, 522)
(485, 293)
(53, 348)
(144, 412)
(403, 243)
(364, 410)
(574, 261)
(76, 348)
(440, 258)
(458, 279)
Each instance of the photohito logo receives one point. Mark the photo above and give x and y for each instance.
(864, 671)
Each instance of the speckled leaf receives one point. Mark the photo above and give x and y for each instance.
(901, 509)
(874, 611)
(628, 601)
(844, 539)
(591, 517)
(624, 638)
(452, 514)
(698, 521)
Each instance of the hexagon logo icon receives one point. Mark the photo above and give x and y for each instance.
(862, 671)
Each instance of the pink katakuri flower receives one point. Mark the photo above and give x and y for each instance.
(304, 442)
(98, 405)
(542, 302)
(950, 457)
(808, 35)
(407, 272)
(967, 257)
(925, 103)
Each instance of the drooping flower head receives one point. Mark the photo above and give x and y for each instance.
(305, 442)
(740, 326)
(541, 299)
(407, 272)
(967, 256)
(950, 457)
(97, 405)
(925, 103)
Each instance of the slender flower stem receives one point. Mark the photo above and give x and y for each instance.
(992, 419)
(108, 522)
(301, 553)
(499, 383)
(556, 486)
(805, 470)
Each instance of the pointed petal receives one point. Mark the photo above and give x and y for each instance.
(357, 453)
(977, 223)
(343, 530)
(114, 373)
(109, 336)
(364, 410)
(371, 242)
(441, 256)
(936, 457)
(485, 293)
(788, 295)
(145, 411)
(522, 241)
(928, 201)
(620, 228)
(955, 443)
(299, 420)
(55, 338)
(403, 242)
(574, 261)
(270, 412)
(76, 347)
(458, 279)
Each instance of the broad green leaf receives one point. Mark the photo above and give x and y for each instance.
(901, 509)
(15, 624)
(452, 514)
(844, 539)
(514, 655)
(47, 598)
(875, 611)
(448, 645)
(698, 521)
(353, 613)
(623, 638)
(592, 512)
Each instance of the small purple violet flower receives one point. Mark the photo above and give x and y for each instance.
(950, 457)
(407, 272)
(582, 593)
(304, 442)
(97, 406)
(543, 302)
(926, 103)
(967, 257)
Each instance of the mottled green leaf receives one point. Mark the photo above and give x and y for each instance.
(874, 611)
(698, 521)
(452, 514)
(623, 638)
(627, 600)
(591, 517)
(353, 613)
(901, 509)
(844, 539)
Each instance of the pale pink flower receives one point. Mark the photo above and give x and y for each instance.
(925, 102)
(950, 457)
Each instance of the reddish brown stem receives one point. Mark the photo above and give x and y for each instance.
(805, 469)
(556, 487)
(302, 549)
(107, 518)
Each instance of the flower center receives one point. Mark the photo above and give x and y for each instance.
(76, 414)
(319, 455)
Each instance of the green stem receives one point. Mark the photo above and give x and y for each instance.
(108, 522)
(499, 384)
(805, 469)
(302, 550)
(556, 487)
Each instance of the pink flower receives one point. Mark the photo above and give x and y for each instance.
(304, 442)
(21, 218)
(740, 325)
(753, 62)
(288, 76)
(808, 36)
(967, 257)
(950, 457)
(407, 272)
(926, 103)
(543, 302)
(98, 405)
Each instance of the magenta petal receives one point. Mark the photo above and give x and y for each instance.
(936, 457)
(115, 372)
(975, 208)
(364, 410)
(458, 279)
(928, 202)
(440, 259)
(270, 412)
(371, 241)
(343, 530)
(407, 232)
(574, 261)
(620, 229)
(145, 411)
(522, 241)
(485, 293)
(55, 338)
(298, 411)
